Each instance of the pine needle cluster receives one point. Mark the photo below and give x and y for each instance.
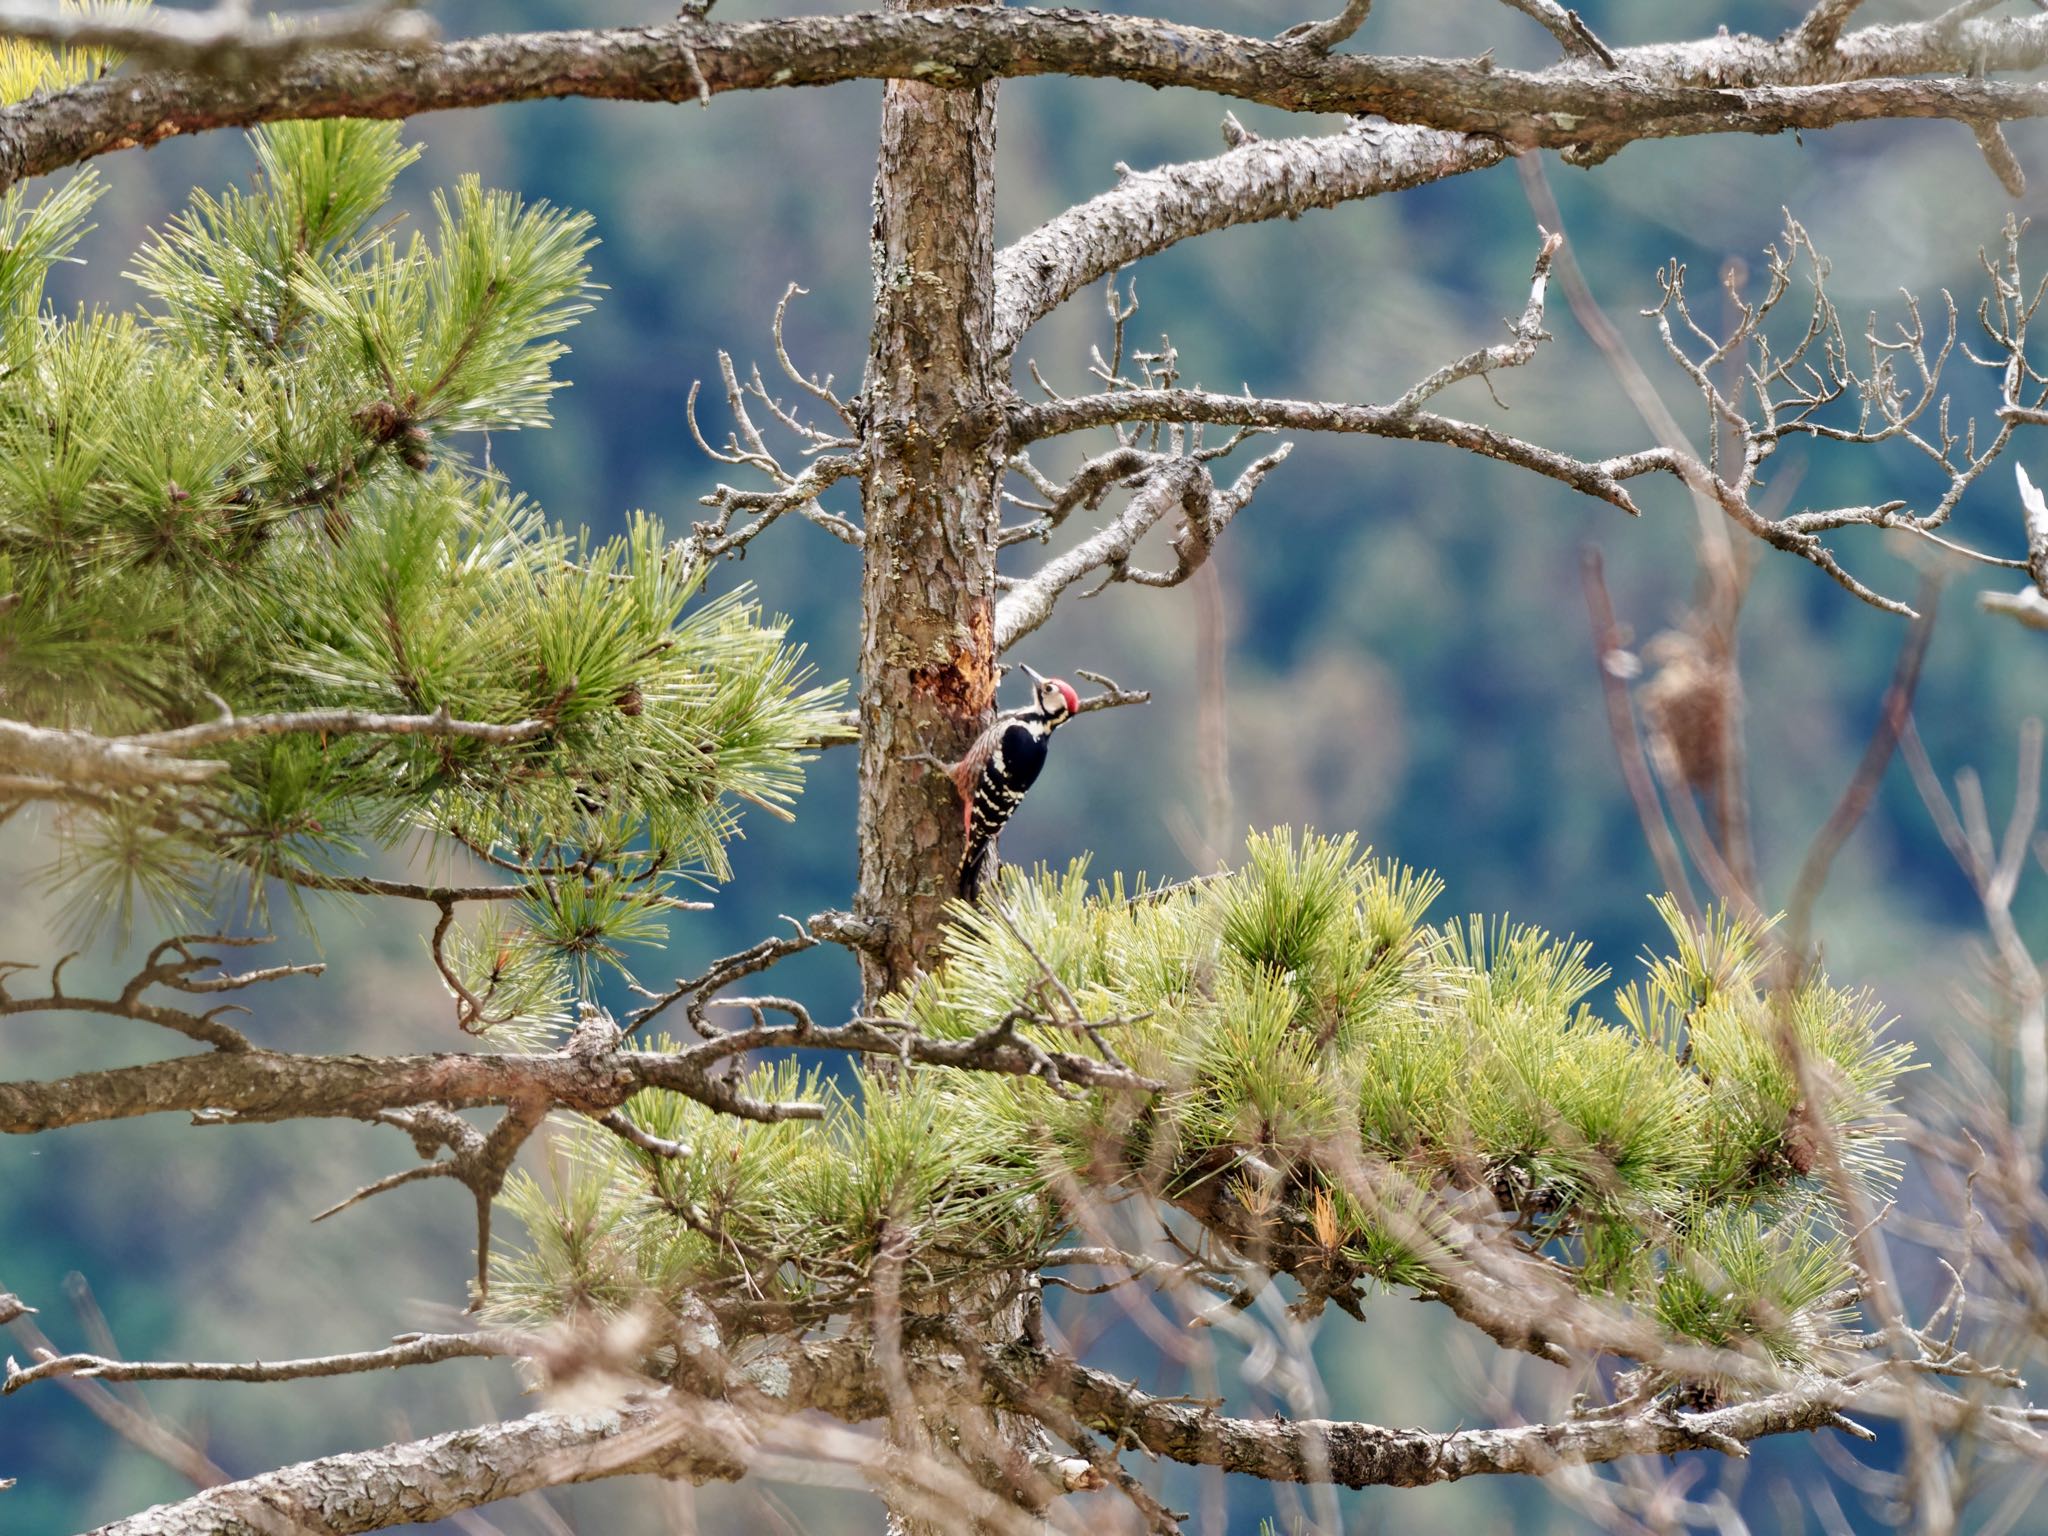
(774, 1223)
(1336, 1073)
(27, 68)
(257, 493)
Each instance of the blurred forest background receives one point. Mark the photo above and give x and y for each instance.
(1408, 655)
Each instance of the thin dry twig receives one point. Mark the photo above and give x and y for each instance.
(1608, 655)
(1861, 789)
(417, 1349)
(1322, 36)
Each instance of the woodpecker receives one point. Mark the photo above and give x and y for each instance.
(1002, 764)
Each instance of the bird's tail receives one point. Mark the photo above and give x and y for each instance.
(976, 865)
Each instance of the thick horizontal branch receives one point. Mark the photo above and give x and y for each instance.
(65, 759)
(224, 37)
(673, 1436)
(423, 1480)
(80, 758)
(663, 1433)
(1355, 1455)
(252, 1086)
(670, 1434)
(1599, 478)
(1714, 85)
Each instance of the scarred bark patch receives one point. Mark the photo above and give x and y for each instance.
(965, 686)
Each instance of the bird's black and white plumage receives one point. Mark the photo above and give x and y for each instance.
(1003, 763)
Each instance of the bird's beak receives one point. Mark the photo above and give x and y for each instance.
(1035, 675)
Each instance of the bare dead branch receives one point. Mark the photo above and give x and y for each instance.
(810, 384)
(131, 1420)
(1257, 180)
(2034, 511)
(388, 1182)
(1760, 394)
(1528, 335)
(1598, 478)
(724, 972)
(424, 1349)
(172, 964)
(1181, 484)
(257, 1086)
(1113, 696)
(835, 457)
(2027, 605)
(1994, 871)
(1089, 485)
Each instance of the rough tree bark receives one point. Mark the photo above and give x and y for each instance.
(932, 414)
(426, 1479)
(933, 417)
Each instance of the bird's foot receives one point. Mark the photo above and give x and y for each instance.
(926, 758)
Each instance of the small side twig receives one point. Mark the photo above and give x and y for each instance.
(1576, 38)
(420, 1349)
(1322, 36)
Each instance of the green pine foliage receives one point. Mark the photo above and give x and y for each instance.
(780, 1220)
(1306, 1023)
(27, 68)
(262, 490)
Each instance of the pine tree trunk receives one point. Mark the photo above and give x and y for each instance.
(928, 595)
(932, 409)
